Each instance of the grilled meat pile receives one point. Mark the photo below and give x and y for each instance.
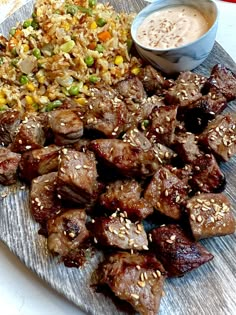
(146, 149)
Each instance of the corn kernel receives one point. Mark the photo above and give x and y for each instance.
(118, 60)
(41, 79)
(2, 94)
(135, 70)
(81, 100)
(29, 100)
(93, 25)
(3, 101)
(66, 26)
(30, 86)
(25, 47)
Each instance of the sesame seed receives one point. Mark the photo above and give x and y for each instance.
(199, 218)
(135, 296)
(138, 267)
(145, 247)
(169, 241)
(77, 167)
(95, 240)
(28, 147)
(141, 284)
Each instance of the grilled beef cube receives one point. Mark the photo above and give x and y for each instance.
(207, 176)
(185, 145)
(135, 278)
(206, 108)
(67, 231)
(153, 81)
(77, 176)
(126, 197)
(137, 139)
(30, 135)
(162, 125)
(3, 43)
(184, 173)
(177, 252)
(44, 203)
(224, 80)
(66, 126)
(127, 159)
(131, 89)
(38, 162)
(210, 215)
(119, 232)
(106, 113)
(163, 153)
(187, 89)
(9, 123)
(166, 193)
(9, 162)
(220, 136)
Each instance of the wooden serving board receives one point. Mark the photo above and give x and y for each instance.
(209, 290)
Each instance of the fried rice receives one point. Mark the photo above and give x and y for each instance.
(62, 50)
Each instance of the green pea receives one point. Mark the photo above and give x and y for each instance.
(3, 108)
(35, 25)
(14, 62)
(101, 22)
(35, 106)
(72, 9)
(52, 105)
(14, 52)
(37, 53)
(12, 31)
(92, 3)
(94, 79)
(23, 79)
(74, 90)
(145, 123)
(89, 61)
(68, 46)
(27, 23)
(100, 48)
(1, 61)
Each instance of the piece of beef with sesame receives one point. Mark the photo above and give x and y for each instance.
(77, 177)
(162, 125)
(9, 123)
(30, 135)
(38, 162)
(119, 232)
(164, 154)
(167, 193)
(210, 215)
(187, 89)
(106, 113)
(224, 80)
(137, 139)
(131, 89)
(177, 252)
(185, 145)
(153, 80)
(220, 136)
(9, 162)
(207, 176)
(199, 113)
(125, 196)
(44, 203)
(135, 278)
(67, 232)
(66, 126)
(125, 158)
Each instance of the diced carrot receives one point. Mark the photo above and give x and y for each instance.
(17, 33)
(92, 45)
(104, 36)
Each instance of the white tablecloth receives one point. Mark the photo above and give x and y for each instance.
(21, 292)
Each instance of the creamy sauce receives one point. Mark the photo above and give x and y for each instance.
(172, 27)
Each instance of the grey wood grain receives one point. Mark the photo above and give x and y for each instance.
(210, 290)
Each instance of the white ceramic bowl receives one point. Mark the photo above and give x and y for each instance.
(185, 57)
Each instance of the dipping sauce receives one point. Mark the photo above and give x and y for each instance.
(172, 27)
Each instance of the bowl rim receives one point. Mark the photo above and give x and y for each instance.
(174, 48)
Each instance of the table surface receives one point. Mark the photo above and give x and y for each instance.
(23, 293)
